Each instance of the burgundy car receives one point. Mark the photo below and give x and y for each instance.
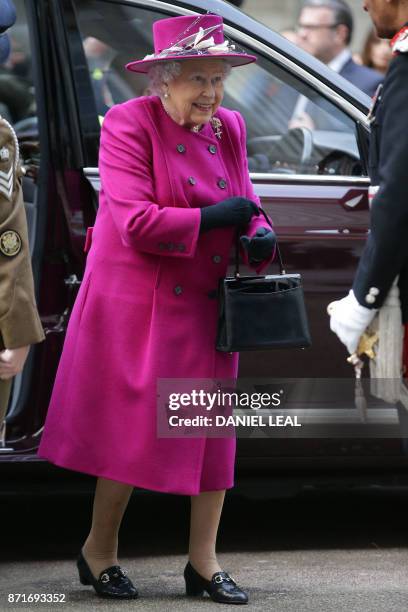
(65, 71)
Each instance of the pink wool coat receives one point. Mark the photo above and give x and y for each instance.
(146, 306)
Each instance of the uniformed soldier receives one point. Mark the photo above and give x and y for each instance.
(385, 256)
(20, 325)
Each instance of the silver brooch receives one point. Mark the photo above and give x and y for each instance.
(216, 125)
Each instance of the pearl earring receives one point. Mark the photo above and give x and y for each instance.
(166, 95)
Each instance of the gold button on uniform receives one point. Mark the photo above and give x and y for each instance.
(10, 243)
(216, 258)
(192, 180)
(222, 183)
(181, 148)
(178, 290)
(212, 149)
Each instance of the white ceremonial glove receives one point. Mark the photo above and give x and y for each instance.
(349, 320)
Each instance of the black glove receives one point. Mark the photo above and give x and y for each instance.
(234, 211)
(260, 246)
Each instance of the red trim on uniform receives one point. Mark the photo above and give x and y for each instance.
(398, 34)
(396, 38)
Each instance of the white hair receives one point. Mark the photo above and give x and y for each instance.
(162, 73)
(166, 71)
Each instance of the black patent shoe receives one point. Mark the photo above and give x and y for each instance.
(221, 588)
(112, 582)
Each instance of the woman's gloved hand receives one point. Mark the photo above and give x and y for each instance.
(260, 246)
(233, 211)
(349, 320)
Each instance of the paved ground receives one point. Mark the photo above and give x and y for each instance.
(330, 553)
(328, 581)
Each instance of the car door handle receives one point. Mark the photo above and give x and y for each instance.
(327, 231)
(353, 202)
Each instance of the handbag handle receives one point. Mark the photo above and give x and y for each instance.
(237, 244)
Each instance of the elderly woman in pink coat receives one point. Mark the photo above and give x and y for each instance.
(174, 189)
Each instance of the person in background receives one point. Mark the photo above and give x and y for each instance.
(376, 53)
(20, 325)
(99, 57)
(290, 35)
(325, 29)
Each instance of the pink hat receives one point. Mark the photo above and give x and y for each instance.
(188, 37)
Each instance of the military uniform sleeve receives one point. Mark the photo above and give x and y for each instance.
(20, 324)
(386, 250)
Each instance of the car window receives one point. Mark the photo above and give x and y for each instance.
(17, 95)
(18, 107)
(291, 127)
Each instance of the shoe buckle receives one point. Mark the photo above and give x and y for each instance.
(105, 578)
(221, 578)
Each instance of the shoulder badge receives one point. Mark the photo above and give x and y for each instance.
(9, 159)
(10, 243)
(6, 182)
(399, 44)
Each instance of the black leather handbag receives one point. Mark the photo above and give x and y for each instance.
(261, 312)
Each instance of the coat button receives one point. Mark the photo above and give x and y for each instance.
(222, 183)
(177, 290)
(170, 246)
(370, 299)
(374, 291)
(216, 258)
(192, 180)
(181, 148)
(181, 247)
(162, 246)
(212, 149)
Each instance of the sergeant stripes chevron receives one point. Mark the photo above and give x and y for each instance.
(6, 183)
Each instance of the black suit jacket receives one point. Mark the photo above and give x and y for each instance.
(386, 253)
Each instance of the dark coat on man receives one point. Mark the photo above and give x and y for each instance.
(386, 253)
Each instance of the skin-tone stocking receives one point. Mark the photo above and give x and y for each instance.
(101, 546)
(204, 521)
